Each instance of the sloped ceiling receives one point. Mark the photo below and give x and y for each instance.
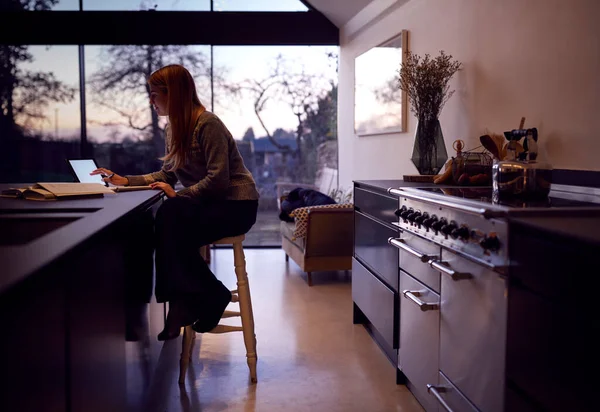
(339, 11)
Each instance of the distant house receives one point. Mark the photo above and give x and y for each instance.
(272, 162)
(265, 151)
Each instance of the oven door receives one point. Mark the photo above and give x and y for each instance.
(415, 253)
(473, 330)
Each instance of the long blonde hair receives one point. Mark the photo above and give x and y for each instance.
(183, 104)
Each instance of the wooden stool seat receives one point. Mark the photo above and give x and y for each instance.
(240, 295)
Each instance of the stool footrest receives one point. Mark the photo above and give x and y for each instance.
(230, 314)
(235, 297)
(225, 329)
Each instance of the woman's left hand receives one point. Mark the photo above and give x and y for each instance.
(165, 187)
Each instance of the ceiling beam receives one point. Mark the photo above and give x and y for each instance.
(167, 27)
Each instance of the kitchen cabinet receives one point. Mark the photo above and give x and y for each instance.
(375, 267)
(486, 312)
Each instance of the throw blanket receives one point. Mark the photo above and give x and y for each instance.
(302, 198)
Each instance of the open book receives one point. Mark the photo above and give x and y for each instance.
(57, 191)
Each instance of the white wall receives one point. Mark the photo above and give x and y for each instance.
(534, 58)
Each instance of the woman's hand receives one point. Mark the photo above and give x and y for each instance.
(165, 187)
(110, 177)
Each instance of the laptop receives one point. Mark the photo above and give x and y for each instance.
(81, 169)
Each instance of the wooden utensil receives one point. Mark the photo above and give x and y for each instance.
(490, 144)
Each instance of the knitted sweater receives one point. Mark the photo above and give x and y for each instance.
(214, 167)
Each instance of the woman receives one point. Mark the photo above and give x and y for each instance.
(219, 200)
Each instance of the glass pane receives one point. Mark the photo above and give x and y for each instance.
(126, 135)
(258, 5)
(160, 5)
(14, 5)
(266, 96)
(39, 112)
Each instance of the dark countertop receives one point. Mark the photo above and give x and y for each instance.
(582, 228)
(385, 184)
(89, 216)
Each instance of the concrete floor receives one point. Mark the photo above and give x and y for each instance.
(310, 355)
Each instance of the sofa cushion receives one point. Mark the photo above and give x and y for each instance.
(287, 231)
(301, 217)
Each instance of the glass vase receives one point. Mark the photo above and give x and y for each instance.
(429, 151)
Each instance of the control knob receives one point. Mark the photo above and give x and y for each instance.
(490, 242)
(461, 232)
(439, 224)
(419, 220)
(447, 229)
(429, 222)
(413, 216)
(404, 215)
(398, 212)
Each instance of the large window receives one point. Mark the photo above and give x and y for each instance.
(258, 5)
(33, 5)
(159, 5)
(39, 112)
(125, 133)
(280, 103)
(162, 5)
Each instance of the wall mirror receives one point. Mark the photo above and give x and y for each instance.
(379, 105)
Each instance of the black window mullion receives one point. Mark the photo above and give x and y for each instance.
(84, 147)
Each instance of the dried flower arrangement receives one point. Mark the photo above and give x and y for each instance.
(425, 81)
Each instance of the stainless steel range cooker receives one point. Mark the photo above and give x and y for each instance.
(454, 269)
(472, 222)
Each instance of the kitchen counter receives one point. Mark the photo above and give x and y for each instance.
(76, 280)
(85, 217)
(393, 183)
(584, 229)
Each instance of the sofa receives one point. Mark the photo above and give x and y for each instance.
(321, 239)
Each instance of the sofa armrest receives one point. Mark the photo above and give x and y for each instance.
(330, 232)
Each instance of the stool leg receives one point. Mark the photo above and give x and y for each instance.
(245, 309)
(186, 347)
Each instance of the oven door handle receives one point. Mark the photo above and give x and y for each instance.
(435, 391)
(445, 268)
(413, 296)
(401, 244)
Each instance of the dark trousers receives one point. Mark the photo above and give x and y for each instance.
(182, 225)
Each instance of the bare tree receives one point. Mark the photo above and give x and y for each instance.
(25, 94)
(120, 84)
(288, 83)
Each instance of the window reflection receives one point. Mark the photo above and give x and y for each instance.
(39, 112)
(280, 104)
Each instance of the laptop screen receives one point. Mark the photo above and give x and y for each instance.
(82, 169)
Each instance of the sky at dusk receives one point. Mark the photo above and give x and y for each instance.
(183, 5)
(241, 63)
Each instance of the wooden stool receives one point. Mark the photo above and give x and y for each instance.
(241, 295)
